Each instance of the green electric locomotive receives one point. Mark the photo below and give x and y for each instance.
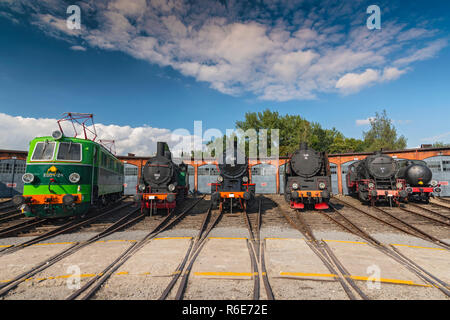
(66, 176)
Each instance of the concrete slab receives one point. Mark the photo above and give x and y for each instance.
(11, 265)
(294, 258)
(158, 258)
(434, 260)
(52, 283)
(223, 258)
(359, 258)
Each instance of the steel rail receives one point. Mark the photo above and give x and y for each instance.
(429, 210)
(200, 244)
(21, 226)
(312, 243)
(8, 215)
(69, 226)
(251, 245)
(426, 217)
(97, 281)
(422, 234)
(396, 255)
(180, 267)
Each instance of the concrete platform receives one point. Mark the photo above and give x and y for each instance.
(360, 258)
(223, 258)
(294, 258)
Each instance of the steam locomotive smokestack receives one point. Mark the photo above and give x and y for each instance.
(160, 148)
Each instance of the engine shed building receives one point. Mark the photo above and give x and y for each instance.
(268, 173)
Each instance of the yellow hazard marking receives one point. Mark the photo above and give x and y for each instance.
(225, 274)
(48, 244)
(397, 281)
(406, 245)
(307, 274)
(6, 246)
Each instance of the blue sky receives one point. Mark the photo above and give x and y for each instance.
(162, 64)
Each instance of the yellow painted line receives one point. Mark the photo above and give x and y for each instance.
(305, 274)
(6, 246)
(226, 274)
(397, 281)
(122, 273)
(47, 244)
(172, 238)
(228, 238)
(406, 245)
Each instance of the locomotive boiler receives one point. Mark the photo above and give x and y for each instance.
(163, 183)
(307, 179)
(374, 179)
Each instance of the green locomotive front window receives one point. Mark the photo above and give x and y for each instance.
(43, 151)
(69, 151)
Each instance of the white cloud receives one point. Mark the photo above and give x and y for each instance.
(440, 137)
(237, 48)
(364, 122)
(353, 82)
(77, 48)
(16, 133)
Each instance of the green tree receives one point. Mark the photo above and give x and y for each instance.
(382, 134)
(440, 144)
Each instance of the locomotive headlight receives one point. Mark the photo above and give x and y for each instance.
(142, 187)
(220, 179)
(28, 178)
(295, 186)
(371, 185)
(245, 179)
(399, 185)
(74, 177)
(434, 183)
(322, 185)
(171, 187)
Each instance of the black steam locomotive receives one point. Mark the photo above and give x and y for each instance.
(307, 179)
(233, 187)
(163, 183)
(374, 179)
(418, 177)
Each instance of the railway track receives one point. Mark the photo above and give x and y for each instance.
(344, 222)
(66, 227)
(443, 220)
(256, 250)
(118, 225)
(405, 226)
(91, 287)
(324, 253)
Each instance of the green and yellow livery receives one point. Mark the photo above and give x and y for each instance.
(67, 176)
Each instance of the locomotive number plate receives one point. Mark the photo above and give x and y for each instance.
(231, 195)
(151, 197)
